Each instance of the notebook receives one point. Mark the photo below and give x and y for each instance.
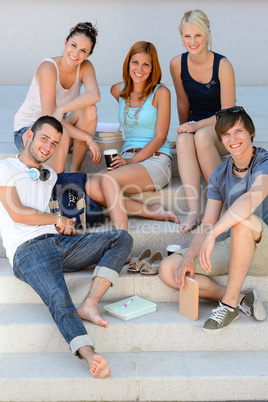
(135, 306)
(189, 298)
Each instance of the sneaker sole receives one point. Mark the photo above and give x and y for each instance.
(215, 331)
(259, 312)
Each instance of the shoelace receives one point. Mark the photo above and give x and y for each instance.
(245, 308)
(219, 313)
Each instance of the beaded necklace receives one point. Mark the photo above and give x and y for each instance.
(248, 166)
(133, 116)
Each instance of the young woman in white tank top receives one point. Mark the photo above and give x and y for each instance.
(55, 90)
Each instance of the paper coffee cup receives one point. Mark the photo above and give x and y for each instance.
(173, 248)
(109, 154)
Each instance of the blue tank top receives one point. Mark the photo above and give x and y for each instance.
(144, 131)
(204, 99)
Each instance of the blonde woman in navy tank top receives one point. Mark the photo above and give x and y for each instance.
(145, 161)
(204, 83)
(55, 90)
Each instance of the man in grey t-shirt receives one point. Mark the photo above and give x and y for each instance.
(241, 184)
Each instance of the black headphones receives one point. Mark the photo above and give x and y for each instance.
(34, 173)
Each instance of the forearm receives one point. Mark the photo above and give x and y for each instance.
(147, 151)
(197, 241)
(88, 98)
(210, 121)
(33, 217)
(239, 211)
(77, 133)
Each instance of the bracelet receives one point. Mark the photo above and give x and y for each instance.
(59, 220)
(92, 139)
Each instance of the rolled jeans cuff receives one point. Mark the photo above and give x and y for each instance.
(80, 341)
(106, 273)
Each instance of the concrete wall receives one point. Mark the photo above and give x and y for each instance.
(34, 29)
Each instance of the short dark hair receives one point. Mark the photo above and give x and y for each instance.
(47, 120)
(87, 29)
(228, 120)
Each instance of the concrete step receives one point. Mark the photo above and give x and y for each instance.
(26, 328)
(149, 376)
(14, 291)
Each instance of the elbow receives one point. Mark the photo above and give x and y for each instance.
(17, 218)
(98, 98)
(93, 97)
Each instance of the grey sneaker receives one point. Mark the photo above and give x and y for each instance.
(252, 305)
(221, 317)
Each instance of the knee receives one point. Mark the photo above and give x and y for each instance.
(125, 238)
(164, 270)
(183, 142)
(201, 137)
(108, 183)
(59, 301)
(93, 189)
(90, 113)
(240, 228)
(204, 139)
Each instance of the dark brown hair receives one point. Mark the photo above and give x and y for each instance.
(87, 29)
(228, 120)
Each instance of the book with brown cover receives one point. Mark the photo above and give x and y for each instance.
(189, 299)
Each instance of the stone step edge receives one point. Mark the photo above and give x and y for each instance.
(30, 329)
(15, 291)
(188, 376)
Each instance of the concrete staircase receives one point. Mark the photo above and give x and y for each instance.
(158, 357)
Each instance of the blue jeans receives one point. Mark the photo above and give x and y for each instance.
(40, 262)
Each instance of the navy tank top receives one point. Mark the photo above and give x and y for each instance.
(204, 99)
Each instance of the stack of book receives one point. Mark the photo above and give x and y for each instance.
(109, 136)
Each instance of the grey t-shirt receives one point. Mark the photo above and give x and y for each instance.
(224, 186)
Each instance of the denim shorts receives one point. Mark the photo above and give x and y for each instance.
(18, 137)
(158, 167)
(219, 257)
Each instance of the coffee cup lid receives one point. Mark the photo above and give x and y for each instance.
(173, 247)
(110, 151)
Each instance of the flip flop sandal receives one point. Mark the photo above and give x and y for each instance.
(150, 267)
(135, 266)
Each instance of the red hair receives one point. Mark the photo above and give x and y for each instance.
(156, 73)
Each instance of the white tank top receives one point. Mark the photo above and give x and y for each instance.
(31, 109)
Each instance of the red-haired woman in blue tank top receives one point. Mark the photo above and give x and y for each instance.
(204, 82)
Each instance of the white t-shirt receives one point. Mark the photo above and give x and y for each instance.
(33, 193)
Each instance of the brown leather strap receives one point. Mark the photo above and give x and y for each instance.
(135, 150)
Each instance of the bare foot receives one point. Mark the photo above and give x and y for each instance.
(88, 310)
(190, 222)
(160, 214)
(99, 367)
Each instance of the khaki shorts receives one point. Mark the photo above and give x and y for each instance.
(219, 257)
(158, 167)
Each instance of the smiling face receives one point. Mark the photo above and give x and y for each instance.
(140, 67)
(193, 41)
(237, 141)
(43, 143)
(77, 49)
